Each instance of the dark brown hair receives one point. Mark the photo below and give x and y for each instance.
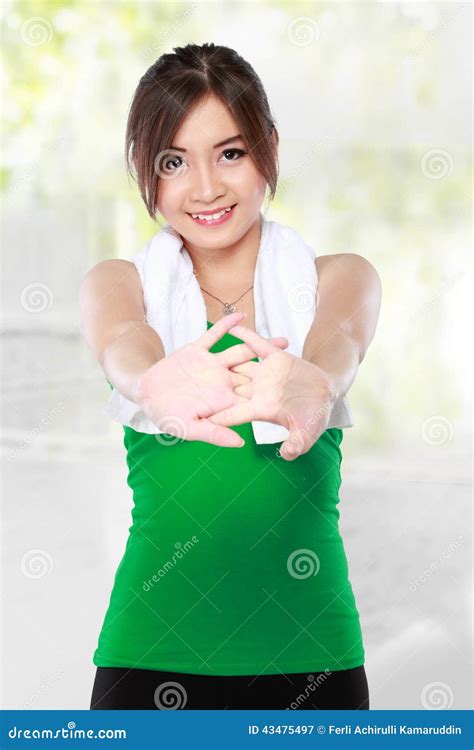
(168, 91)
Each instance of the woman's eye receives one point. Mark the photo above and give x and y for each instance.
(234, 151)
(175, 162)
(171, 160)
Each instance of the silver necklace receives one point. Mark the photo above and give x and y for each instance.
(228, 306)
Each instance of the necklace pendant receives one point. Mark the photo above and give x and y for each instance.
(228, 309)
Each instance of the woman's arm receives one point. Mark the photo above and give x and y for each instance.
(114, 326)
(349, 296)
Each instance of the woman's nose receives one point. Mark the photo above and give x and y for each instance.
(206, 184)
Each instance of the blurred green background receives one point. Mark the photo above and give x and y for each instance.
(372, 105)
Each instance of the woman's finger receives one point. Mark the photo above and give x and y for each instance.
(260, 345)
(235, 355)
(216, 332)
(247, 369)
(280, 341)
(234, 415)
(209, 432)
(237, 379)
(244, 390)
(240, 353)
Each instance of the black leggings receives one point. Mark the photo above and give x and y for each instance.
(123, 688)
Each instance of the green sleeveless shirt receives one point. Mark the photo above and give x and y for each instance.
(234, 564)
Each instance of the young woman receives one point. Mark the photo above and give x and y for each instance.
(210, 608)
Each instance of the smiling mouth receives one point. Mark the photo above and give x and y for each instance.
(208, 217)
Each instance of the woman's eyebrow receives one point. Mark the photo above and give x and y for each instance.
(222, 143)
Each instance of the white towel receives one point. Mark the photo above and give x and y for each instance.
(285, 286)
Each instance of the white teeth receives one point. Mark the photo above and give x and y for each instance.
(211, 217)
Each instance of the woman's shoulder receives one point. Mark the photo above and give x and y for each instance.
(110, 277)
(109, 267)
(353, 260)
(352, 265)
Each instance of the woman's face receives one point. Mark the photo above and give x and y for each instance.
(198, 175)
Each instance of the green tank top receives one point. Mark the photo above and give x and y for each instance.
(234, 564)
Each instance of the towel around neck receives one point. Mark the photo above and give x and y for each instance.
(285, 287)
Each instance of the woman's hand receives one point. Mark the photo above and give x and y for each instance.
(282, 389)
(182, 390)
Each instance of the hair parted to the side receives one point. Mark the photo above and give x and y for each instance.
(168, 91)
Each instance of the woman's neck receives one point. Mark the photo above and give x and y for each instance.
(230, 267)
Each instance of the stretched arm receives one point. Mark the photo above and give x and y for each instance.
(180, 390)
(349, 296)
(114, 326)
